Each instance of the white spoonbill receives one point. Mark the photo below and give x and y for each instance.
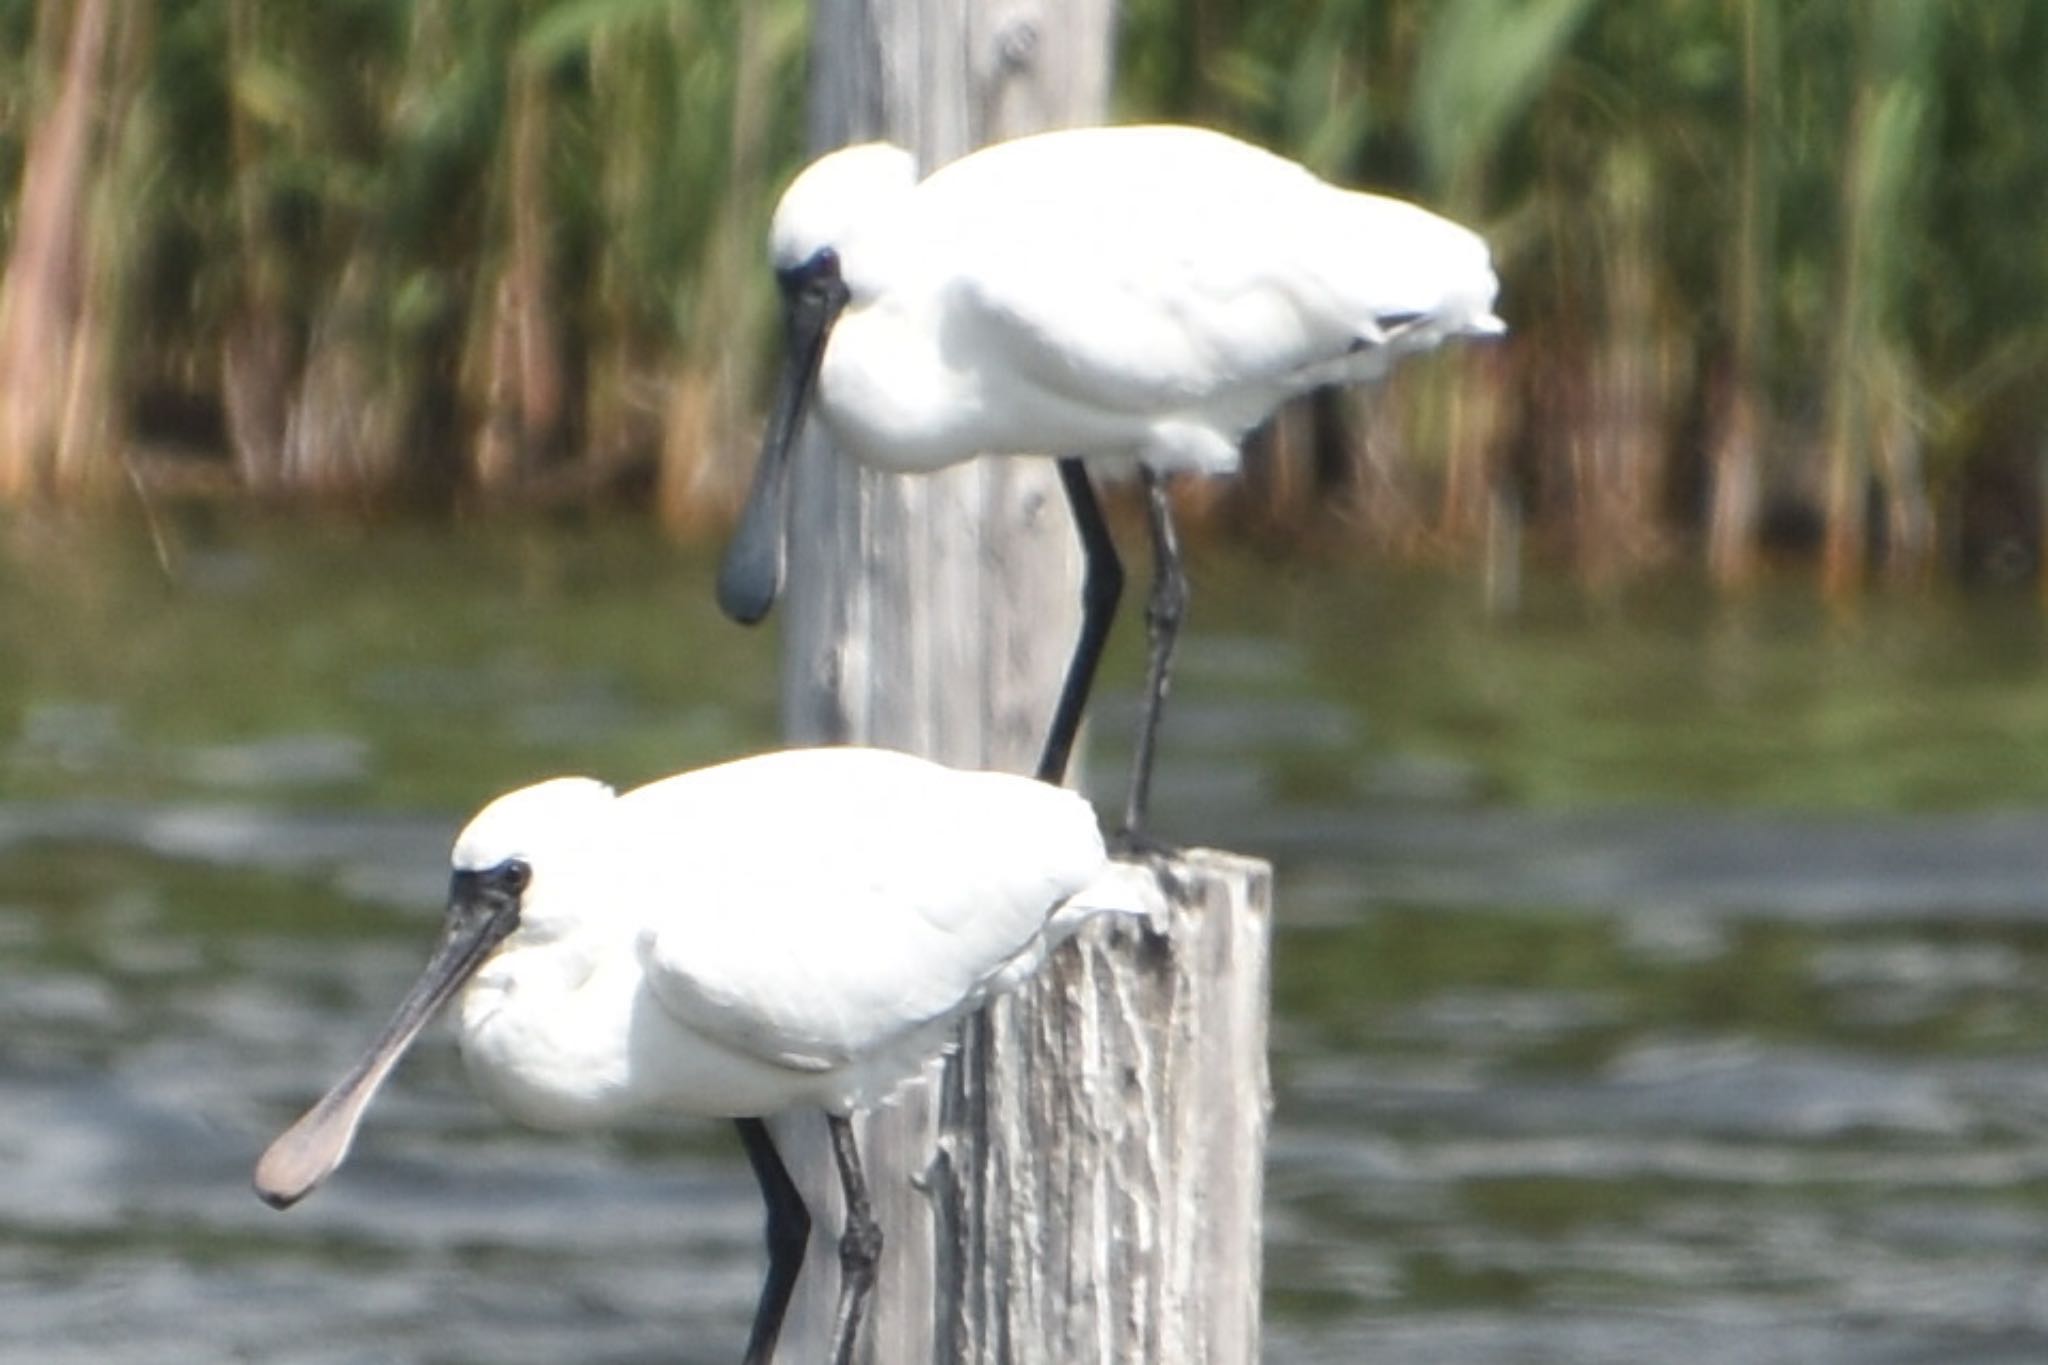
(796, 929)
(1133, 296)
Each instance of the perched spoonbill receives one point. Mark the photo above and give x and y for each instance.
(796, 929)
(1132, 296)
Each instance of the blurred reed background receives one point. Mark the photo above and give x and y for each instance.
(1775, 270)
(1660, 971)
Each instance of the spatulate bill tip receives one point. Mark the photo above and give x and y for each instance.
(747, 587)
(301, 1159)
(279, 1199)
(280, 1185)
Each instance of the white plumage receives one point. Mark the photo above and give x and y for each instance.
(1140, 293)
(790, 930)
(796, 929)
(1134, 297)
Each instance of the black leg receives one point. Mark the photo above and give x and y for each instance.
(789, 1232)
(1163, 613)
(860, 1246)
(1102, 584)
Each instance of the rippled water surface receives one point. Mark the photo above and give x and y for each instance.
(1656, 980)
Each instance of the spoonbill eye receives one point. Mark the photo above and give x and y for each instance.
(817, 274)
(514, 874)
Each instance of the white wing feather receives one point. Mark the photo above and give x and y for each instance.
(878, 893)
(1197, 259)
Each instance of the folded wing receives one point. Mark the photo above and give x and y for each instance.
(1145, 267)
(880, 894)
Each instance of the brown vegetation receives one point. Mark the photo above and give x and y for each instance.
(1773, 270)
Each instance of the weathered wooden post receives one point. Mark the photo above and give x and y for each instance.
(1090, 1157)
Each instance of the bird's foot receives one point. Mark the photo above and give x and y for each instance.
(1164, 859)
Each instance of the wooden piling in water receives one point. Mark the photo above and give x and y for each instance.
(1080, 1180)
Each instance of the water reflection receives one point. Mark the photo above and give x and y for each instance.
(1737, 1056)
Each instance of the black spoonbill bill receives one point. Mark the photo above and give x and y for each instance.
(1129, 297)
(792, 930)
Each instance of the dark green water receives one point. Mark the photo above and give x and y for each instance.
(1657, 980)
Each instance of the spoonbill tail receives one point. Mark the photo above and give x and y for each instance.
(1133, 297)
(796, 929)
